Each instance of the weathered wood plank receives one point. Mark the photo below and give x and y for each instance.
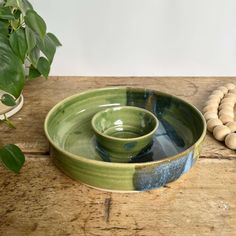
(43, 201)
(41, 96)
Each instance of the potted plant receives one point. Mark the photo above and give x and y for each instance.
(26, 52)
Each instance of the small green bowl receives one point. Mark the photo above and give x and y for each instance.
(124, 132)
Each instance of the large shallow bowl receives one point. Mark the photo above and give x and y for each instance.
(174, 150)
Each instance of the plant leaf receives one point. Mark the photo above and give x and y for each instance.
(43, 66)
(4, 28)
(15, 24)
(17, 14)
(11, 69)
(25, 6)
(18, 43)
(7, 122)
(8, 100)
(48, 47)
(33, 73)
(35, 22)
(12, 157)
(30, 38)
(54, 39)
(34, 56)
(5, 13)
(11, 3)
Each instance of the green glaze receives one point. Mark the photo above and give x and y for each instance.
(123, 132)
(175, 148)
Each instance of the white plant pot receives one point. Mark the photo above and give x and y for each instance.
(10, 111)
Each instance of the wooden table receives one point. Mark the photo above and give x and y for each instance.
(43, 201)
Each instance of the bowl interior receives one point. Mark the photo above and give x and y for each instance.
(125, 122)
(69, 128)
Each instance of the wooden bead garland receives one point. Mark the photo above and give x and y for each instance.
(219, 114)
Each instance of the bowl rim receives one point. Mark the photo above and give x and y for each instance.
(117, 164)
(141, 137)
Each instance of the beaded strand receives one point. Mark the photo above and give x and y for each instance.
(219, 114)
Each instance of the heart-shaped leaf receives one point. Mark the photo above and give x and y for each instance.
(12, 157)
(18, 43)
(54, 39)
(8, 100)
(43, 66)
(48, 47)
(34, 56)
(30, 38)
(11, 69)
(33, 73)
(35, 22)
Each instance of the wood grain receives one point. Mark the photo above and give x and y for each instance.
(43, 201)
(41, 96)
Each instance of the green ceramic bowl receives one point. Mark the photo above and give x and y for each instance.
(124, 132)
(176, 144)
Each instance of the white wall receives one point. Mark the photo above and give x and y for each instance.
(142, 37)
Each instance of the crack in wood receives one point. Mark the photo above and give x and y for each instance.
(115, 228)
(34, 227)
(218, 157)
(37, 153)
(76, 217)
(107, 208)
(85, 223)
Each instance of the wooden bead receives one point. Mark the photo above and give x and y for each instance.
(230, 95)
(212, 103)
(227, 103)
(223, 89)
(230, 141)
(228, 112)
(227, 100)
(227, 109)
(210, 115)
(212, 123)
(210, 108)
(233, 91)
(226, 118)
(220, 132)
(226, 106)
(219, 93)
(219, 112)
(214, 98)
(232, 126)
(230, 86)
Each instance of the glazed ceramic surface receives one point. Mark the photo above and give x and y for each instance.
(175, 148)
(123, 133)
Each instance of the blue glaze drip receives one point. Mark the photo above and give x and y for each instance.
(102, 153)
(150, 177)
(177, 139)
(129, 146)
